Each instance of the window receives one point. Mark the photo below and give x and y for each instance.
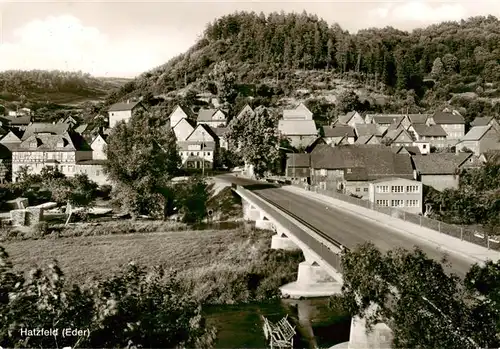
(358, 190)
(97, 172)
(384, 203)
(208, 153)
(365, 190)
(397, 189)
(412, 189)
(71, 168)
(349, 170)
(382, 188)
(397, 203)
(412, 203)
(424, 146)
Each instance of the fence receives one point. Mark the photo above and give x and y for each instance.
(463, 233)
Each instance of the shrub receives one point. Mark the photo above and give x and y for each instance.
(135, 308)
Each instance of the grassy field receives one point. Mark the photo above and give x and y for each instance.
(219, 267)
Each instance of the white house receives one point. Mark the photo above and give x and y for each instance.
(212, 117)
(122, 112)
(178, 114)
(199, 149)
(183, 129)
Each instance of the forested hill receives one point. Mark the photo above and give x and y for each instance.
(52, 86)
(258, 47)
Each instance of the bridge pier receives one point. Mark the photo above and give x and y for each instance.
(380, 337)
(282, 242)
(312, 281)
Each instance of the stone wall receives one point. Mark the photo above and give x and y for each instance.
(29, 216)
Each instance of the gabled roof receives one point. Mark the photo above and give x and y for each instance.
(54, 142)
(344, 119)
(81, 128)
(246, 108)
(41, 127)
(297, 127)
(367, 130)
(448, 117)
(418, 118)
(122, 106)
(207, 114)
(393, 133)
(301, 112)
(482, 121)
(430, 131)
(439, 163)
(220, 131)
(365, 163)
(187, 110)
(412, 150)
(476, 133)
(387, 119)
(364, 139)
(338, 131)
(207, 128)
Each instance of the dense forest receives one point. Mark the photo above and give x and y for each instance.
(438, 63)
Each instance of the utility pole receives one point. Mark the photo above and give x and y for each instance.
(203, 155)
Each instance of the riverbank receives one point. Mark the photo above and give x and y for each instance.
(218, 266)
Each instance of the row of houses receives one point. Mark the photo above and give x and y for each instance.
(443, 129)
(355, 169)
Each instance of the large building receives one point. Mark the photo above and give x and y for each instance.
(401, 193)
(298, 126)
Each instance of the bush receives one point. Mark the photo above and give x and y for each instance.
(136, 308)
(41, 229)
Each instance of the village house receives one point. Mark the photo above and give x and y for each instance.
(451, 121)
(441, 170)
(385, 120)
(335, 134)
(399, 137)
(179, 113)
(199, 150)
(62, 151)
(318, 141)
(401, 193)
(480, 139)
(212, 117)
(123, 111)
(298, 126)
(221, 133)
(485, 121)
(351, 168)
(12, 139)
(350, 119)
(45, 128)
(434, 135)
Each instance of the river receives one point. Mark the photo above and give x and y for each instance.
(240, 326)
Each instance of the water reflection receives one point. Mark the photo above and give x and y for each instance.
(240, 326)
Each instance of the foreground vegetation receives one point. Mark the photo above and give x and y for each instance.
(425, 306)
(192, 268)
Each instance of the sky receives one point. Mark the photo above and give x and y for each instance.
(126, 38)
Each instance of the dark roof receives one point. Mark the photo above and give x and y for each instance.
(344, 119)
(321, 147)
(122, 106)
(439, 163)
(448, 117)
(338, 131)
(367, 130)
(5, 152)
(413, 150)
(364, 139)
(388, 119)
(481, 121)
(430, 131)
(298, 160)
(219, 131)
(365, 163)
(418, 118)
(41, 127)
(92, 162)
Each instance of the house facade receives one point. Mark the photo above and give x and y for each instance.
(177, 115)
(441, 170)
(451, 121)
(335, 134)
(122, 112)
(401, 193)
(480, 139)
(199, 149)
(98, 146)
(301, 112)
(350, 119)
(50, 150)
(183, 129)
(212, 117)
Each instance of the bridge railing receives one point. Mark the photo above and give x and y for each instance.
(461, 232)
(333, 258)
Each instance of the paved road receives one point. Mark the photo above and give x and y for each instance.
(345, 227)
